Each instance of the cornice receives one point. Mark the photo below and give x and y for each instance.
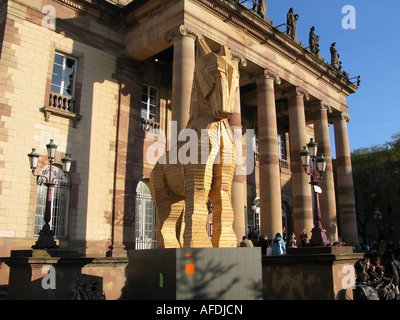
(130, 19)
(105, 13)
(266, 33)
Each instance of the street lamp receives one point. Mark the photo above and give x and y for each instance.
(378, 219)
(377, 214)
(46, 235)
(315, 168)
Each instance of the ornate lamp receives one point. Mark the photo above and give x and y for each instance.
(46, 235)
(315, 168)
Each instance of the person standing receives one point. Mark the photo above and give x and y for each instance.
(292, 241)
(278, 247)
(303, 238)
(263, 243)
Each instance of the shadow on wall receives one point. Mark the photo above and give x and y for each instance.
(49, 277)
(94, 86)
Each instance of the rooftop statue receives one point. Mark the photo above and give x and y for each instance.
(313, 41)
(334, 56)
(291, 21)
(181, 189)
(261, 7)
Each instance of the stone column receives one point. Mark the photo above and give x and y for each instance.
(327, 198)
(239, 188)
(183, 72)
(269, 170)
(347, 207)
(123, 230)
(301, 189)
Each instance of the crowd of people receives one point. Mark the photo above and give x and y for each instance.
(278, 244)
(377, 273)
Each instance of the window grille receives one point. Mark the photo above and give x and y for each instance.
(145, 218)
(59, 204)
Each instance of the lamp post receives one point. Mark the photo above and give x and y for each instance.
(378, 219)
(46, 235)
(315, 168)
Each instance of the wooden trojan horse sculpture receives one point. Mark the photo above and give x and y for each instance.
(181, 191)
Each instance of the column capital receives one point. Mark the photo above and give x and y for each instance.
(266, 74)
(320, 105)
(339, 116)
(296, 91)
(240, 58)
(302, 92)
(183, 31)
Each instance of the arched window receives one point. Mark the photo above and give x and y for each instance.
(145, 218)
(59, 203)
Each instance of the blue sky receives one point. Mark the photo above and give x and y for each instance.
(371, 50)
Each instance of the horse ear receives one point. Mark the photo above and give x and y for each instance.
(203, 48)
(224, 51)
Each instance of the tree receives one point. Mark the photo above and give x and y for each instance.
(376, 173)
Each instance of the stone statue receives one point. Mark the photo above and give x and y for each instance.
(291, 21)
(181, 190)
(261, 7)
(313, 41)
(334, 56)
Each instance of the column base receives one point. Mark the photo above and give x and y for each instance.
(46, 239)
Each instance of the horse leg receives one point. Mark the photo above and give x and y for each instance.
(220, 195)
(196, 213)
(169, 208)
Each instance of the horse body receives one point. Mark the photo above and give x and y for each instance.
(181, 188)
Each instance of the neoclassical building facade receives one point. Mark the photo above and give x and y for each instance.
(110, 82)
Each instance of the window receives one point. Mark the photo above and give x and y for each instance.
(282, 146)
(256, 221)
(145, 218)
(59, 203)
(64, 73)
(61, 98)
(149, 109)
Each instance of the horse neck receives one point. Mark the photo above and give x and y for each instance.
(199, 107)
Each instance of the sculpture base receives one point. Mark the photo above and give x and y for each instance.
(53, 274)
(195, 274)
(310, 273)
(319, 238)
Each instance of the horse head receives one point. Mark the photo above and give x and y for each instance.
(218, 78)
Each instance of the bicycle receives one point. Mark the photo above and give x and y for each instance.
(87, 291)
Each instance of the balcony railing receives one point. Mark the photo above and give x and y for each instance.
(284, 164)
(60, 102)
(150, 126)
(61, 106)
